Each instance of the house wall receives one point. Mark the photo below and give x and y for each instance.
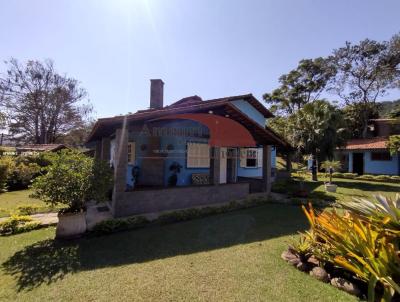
(250, 111)
(376, 167)
(380, 167)
(256, 172)
(152, 201)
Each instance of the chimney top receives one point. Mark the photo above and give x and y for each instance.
(156, 94)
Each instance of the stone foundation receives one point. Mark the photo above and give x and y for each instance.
(157, 200)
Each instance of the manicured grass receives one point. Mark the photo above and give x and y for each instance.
(227, 257)
(9, 201)
(347, 188)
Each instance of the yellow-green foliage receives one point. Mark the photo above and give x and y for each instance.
(18, 224)
(368, 248)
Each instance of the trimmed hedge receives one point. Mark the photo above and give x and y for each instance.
(383, 178)
(18, 224)
(123, 224)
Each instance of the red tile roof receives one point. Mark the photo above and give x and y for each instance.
(366, 144)
(42, 147)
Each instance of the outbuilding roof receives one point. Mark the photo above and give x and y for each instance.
(374, 143)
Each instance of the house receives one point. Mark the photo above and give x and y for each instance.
(192, 152)
(32, 149)
(370, 155)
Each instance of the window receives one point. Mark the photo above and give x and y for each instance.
(198, 155)
(131, 153)
(250, 158)
(383, 156)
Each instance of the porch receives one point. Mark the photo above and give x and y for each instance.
(216, 165)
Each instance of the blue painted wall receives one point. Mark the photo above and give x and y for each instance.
(376, 167)
(180, 143)
(250, 111)
(380, 167)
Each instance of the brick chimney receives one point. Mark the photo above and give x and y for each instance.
(156, 94)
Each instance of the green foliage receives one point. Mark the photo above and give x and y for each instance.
(359, 245)
(395, 178)
(101, 181)
(337, 175)
(365, 177)
(116, 225)
(394, 144)
(384, 211)
(382, 177)
(350, 175)
(72, 179)
(27, 209)
(5, 167)
(327, 164)
(300, 86)
(121, 224)
(18, 224)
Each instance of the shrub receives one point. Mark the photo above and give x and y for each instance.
(6, 166)
(365, 177)
(71, 179)
(121, 224)
(350, 175)
(115, 225)
(364, 241)
(337, 175)
(27, 209)
(18, 224)
(382, 177)
(395, 178)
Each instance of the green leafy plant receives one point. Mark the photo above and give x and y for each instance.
(350, 175)
(330, 166)
(71, 179)
(394, 144)
(18, 224)
(27, 209)
(365, 177)
(383, 210)
(355, 244)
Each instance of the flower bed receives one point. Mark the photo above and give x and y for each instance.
(357, 251)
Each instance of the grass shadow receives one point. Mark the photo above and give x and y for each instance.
(49, 261)
(368, 186)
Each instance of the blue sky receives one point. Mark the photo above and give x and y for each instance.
(211, 48)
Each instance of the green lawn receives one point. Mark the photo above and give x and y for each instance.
(347, 188)
(9, 202)
(227, 257)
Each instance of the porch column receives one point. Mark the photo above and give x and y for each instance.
(266, 168)
(289, 162)
(121, 162)
(105, 148)
(97, 150)
(215, 162)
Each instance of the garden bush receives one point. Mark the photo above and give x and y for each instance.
(363, 243)
(115, 225)
(27, 209)
(121, 224)
(18, 224)
(350, 175)
(395, 178)
(382, 177)
(337, 175)
(72, 178)
(365, 177)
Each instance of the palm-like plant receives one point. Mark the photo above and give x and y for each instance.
(352, 243)
(329, 166)
(382, 210)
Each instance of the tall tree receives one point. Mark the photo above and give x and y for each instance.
(40, 103)
(317, 129)
(301, 85)
(364, 72)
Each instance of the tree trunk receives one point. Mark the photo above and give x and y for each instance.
(314, 167)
